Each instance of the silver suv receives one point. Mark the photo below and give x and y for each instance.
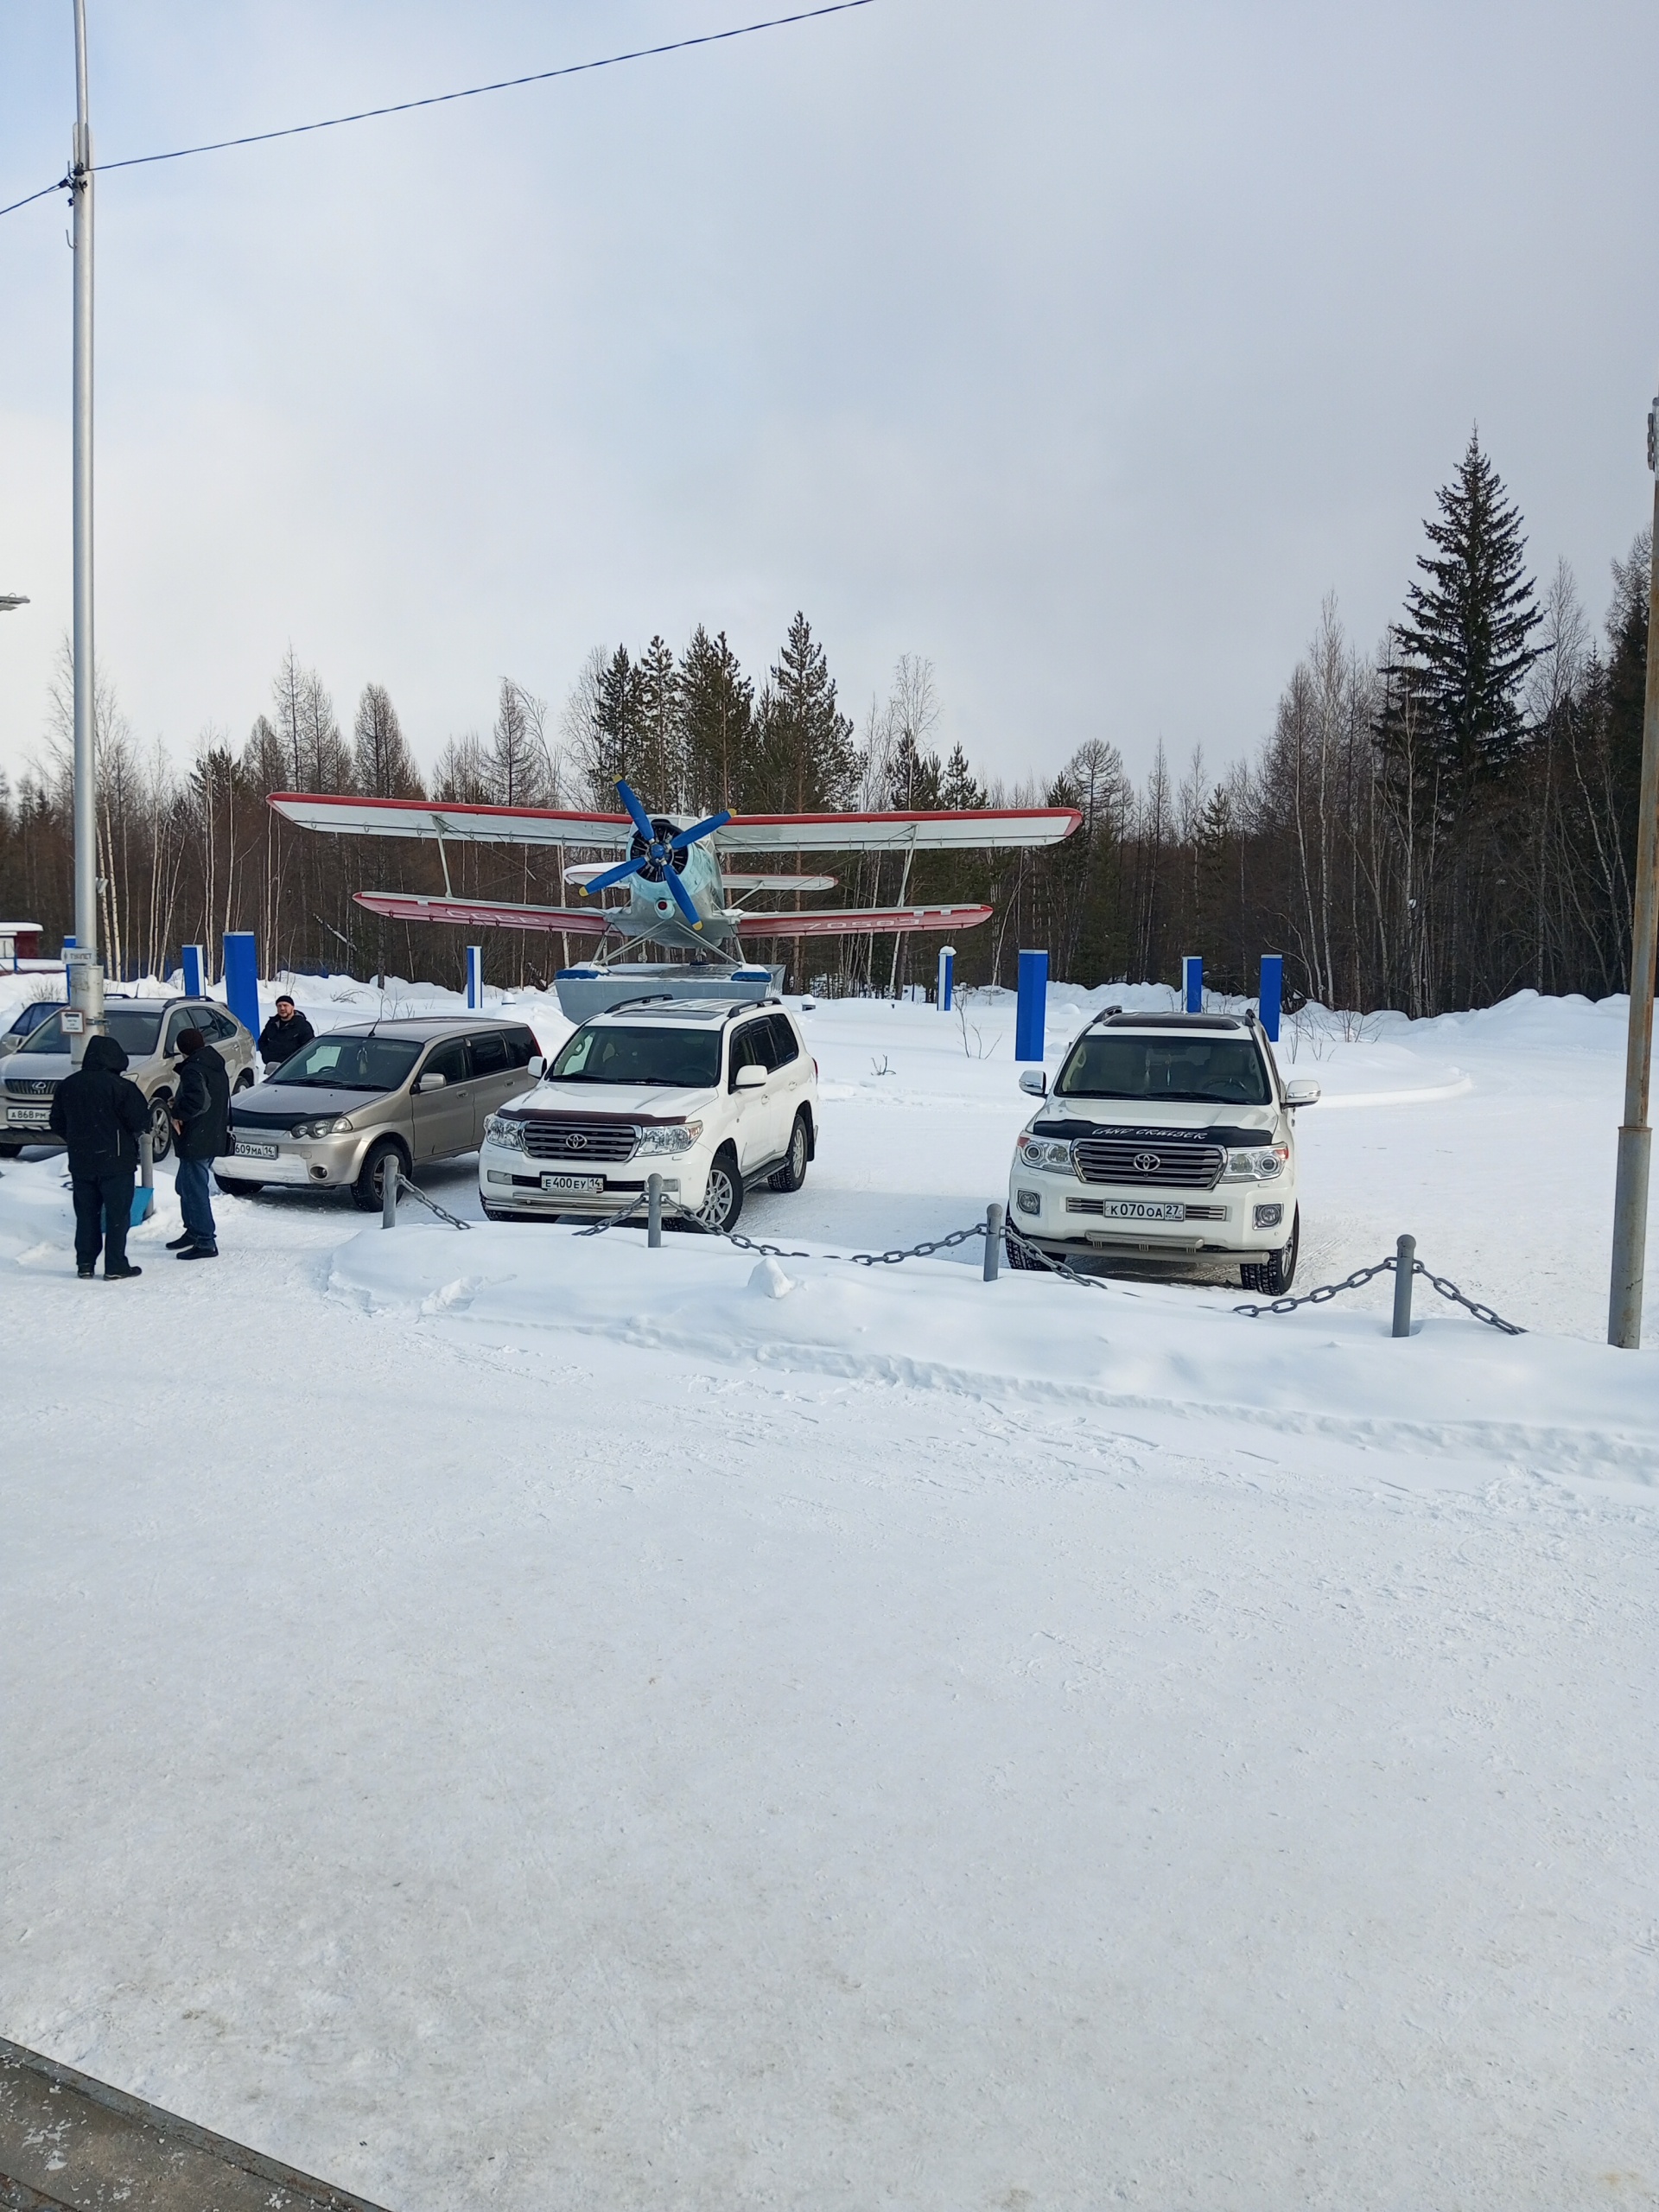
(148, 1031)
(357, 1099)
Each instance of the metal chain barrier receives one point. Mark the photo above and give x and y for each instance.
(402, 1187)
(1391, 1266)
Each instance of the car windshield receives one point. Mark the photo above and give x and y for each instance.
(135, 1029)
(686, 1060)
(1190, 1070)
(336, 1063)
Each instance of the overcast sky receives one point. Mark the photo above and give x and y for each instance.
(1080, 347)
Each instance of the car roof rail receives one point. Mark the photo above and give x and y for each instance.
(644, 998)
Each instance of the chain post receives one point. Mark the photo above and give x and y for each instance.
(1405, 1267)
(390, 1179)
(993, 1241)
(654, 1212)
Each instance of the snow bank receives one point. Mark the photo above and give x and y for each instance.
(1456, 1388)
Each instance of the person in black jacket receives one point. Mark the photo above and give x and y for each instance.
(284, 1034)
(201, 1115)
(101, 1117)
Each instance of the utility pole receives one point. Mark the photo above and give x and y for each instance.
(87, 975)
(1635, 1137)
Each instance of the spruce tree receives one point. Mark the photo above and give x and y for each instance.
(381, 766)
(810, 763)
(716, 707)
(1464, 640)
(662, 767)
(618, 728)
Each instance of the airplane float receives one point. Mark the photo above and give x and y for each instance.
(677, 878)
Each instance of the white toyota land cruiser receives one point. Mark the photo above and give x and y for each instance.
(1168, 1139)
(712, 1095)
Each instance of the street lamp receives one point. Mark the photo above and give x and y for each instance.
(1635, 1137)
(83, 1016)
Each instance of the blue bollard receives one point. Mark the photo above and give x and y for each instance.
(1193, 983)
(1031, 1010)
(947, 977)
(194, 963)
(242, 978)
(1273, 992)
(475, 977)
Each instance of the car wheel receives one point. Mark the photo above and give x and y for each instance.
(243, 1082)
(1274, 1274)
(792, 1173)
(723, 1199)
(160, 1129)
(368, 1192)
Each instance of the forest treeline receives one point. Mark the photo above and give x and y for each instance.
(1430, 825)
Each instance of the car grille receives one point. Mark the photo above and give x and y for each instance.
(579, 1141)
(30, 1090)
(1170, 1164)
(1098, 1206)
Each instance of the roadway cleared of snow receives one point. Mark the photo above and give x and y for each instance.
(508, 1717)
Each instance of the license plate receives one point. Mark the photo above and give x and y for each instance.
(585, 1186)
(245, 1150)
(1144, 1209)
(33, 1117)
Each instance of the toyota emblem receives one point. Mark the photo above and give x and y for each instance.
(1146, 1163)
(576, 1142)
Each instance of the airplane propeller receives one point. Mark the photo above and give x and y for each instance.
(659, 854)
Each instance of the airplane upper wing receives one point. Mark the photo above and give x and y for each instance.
(972, 830)
(433, 818)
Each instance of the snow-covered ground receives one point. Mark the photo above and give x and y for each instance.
(511, 1718)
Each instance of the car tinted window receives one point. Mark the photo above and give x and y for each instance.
(134, 1029)
(682, 1059)
(348, 1064)
(490, 1053)
(223, 1029)
(522, 1047)
(1204, 1071)
(784, 1047)
(447, 1060)
(750, 1047)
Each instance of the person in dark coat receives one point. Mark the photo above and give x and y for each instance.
(101, 1117)
(284, 1034)
(201, 1115)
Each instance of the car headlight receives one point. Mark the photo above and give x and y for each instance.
(1259, 1164)
(339, 1127)
(510, 1135)
(1052, 1152)
(679, 1137)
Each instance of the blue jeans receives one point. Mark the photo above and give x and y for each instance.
(190, 1181)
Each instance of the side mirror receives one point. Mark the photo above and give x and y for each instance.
(750, 1079)
(432, 1082)
(1035, 1081)
(1304, 1091)
(536, 1066)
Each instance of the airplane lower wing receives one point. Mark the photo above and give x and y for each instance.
(486, 914)
(856, 921)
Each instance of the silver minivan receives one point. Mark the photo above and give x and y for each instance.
(355, 1099)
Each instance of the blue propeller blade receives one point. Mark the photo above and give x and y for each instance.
(682, 897)
(616, 875)
(641, 819)
(698, 829)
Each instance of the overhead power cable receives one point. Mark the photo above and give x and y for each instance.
(469, 92)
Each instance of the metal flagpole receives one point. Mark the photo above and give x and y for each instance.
(87, 975)
(1635, 1137)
